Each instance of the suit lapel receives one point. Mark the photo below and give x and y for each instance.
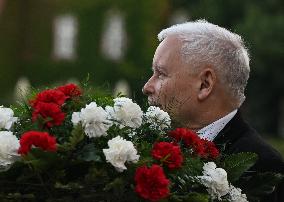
(230, 133)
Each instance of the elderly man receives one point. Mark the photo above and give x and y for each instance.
(200, 72)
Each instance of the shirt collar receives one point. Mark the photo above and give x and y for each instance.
(210, 131)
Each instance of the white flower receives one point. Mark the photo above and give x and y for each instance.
(215, 179)
(7, 118)
(76, 118)
(93, 119)
(125, 113)
(8, 149)
(119, 152)
(235, 195)
(157, 118)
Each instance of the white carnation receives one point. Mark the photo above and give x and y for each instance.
(235, 195)
(93, 119)
(119, 152)
(76, 118)
(157, 118)
(7, 118)
(215, 179)
(8, 149)
(125, 113)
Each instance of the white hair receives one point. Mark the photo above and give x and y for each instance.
(204, 43)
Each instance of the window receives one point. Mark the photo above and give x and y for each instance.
(114, 36)
(122, 87)
(22, 88)
(65, 33)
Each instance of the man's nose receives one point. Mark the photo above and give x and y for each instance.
(148, 88)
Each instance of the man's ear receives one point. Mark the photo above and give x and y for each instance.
(207, 81)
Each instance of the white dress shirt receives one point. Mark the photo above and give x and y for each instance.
(211, 131)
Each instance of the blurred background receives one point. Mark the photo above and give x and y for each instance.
(49, 42)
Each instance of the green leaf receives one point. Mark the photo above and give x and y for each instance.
(197, 197)
(193, 166)
(191, 197)
(90, 153)
(42, 160)
(77, 135)
(236, 164)
(184, 178)
(116, 183)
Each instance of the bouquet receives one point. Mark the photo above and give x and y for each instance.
(72, 143)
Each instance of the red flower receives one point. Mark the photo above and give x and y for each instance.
(38, 139)
(49, 96)
(50, 112)
(189, 137)
(211, 150)
(151, 183)
(70, 90)
(168, 153)
(200, 147)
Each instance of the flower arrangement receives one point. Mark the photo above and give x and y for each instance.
(70, 144)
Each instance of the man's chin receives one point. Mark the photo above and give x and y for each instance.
(156, 104)
(152, 103)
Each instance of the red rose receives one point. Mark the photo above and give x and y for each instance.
(38, 139)
(211, 150)
(49, 96)
(168, 153)
(151, 183)
(70, 90)
(50, 112)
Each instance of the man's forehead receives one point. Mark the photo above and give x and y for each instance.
(167, 50)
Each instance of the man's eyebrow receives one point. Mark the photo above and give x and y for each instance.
(157, 66)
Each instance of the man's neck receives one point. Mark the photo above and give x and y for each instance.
(210, 131)
(205, 118)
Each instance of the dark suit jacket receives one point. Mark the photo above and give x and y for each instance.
(238, 136)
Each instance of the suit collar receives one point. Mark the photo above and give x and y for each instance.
(231, 132)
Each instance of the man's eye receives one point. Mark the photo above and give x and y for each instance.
(161, 75)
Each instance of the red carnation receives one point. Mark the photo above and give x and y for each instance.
(211, 150)
(168, 153)
(189, 137)
(199, 148)
(49, 96)
(151, 183)
(50, 112)
(38, 139)
(70, 90)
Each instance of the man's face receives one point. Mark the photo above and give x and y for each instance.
(172, 86)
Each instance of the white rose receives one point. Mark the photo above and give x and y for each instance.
(215, 179)
(8, 149)
(157, 118)
(93, 119)
(235, 195)
(7, 118)
(119, 152)
(125, 113)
